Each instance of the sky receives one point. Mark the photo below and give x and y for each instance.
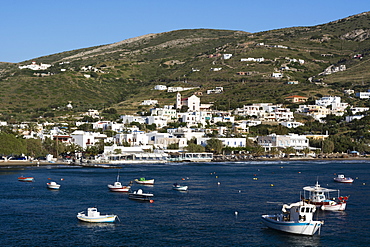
(32, 29)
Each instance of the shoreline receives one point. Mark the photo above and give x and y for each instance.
(60, 163)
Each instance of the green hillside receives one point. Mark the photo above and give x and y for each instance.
(127, 71)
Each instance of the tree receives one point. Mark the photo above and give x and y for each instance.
(327, 146)
(10, 144)
(194, 148)
(274, 152)
(289, 150)
(306, 151)
(258, 151)
(214, 145)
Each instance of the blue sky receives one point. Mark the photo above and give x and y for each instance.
(37, 28)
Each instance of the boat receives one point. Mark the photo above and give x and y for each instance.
(141, 196)
(25, 179)
(342, 179)
(296, 218)
(118, 187)
(179, 187)
(320, 197)
(53, 186)
(94, 216)
(144, 181)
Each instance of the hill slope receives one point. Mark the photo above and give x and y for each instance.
(123, 74)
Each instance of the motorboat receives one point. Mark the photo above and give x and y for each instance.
(53, 185)
(296, 218)
(25, 179)
(118, 187)
(144, 181)
(141, 196)
(342, 179)
(94, 216)
(320, 196)
(178, 187)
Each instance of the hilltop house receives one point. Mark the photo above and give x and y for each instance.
(296, 98)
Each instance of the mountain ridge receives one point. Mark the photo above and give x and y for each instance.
(124, 73)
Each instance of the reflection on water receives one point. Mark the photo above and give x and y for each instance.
(97, 226)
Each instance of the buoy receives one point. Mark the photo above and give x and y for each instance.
(49, 178)
(281, 166)
(62, 179)
(151, 201)
(216, 176)
(236, 212)
(255, 178)
(299, 172)
(240, 191)
(363, 183)
(183, 179)
(271, 185)
(218, 183)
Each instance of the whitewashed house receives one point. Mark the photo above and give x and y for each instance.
(227, 142)
(149, 102)
(290, 124)
(160, 87)
(86, 139)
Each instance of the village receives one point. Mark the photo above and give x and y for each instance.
(169, 133)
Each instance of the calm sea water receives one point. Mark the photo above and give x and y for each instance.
(32, 215)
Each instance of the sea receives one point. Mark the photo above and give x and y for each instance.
(222, 206)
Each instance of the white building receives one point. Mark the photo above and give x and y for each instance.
(134, 138)
(295, 141)
(126, 119)
(160, 87)
(193, 102)
(251, 59)
(227, 142)
(363, 95)
(216, 90)
(227, 56)
(86, 139)
(193, 118)
(356, 110)
(35, 66)
(149, 102)
(289, 124)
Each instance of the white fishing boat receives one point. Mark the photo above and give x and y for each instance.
(297, 218)
(53, 185)
(93, 216)
(342, 179)
(144, 181)
(178, 187)
(118, 187)
(320, 197)
(141, 196)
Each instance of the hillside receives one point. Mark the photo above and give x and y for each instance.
(123, 74)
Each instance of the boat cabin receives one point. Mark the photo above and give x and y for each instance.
(93, 213)
(299, 211)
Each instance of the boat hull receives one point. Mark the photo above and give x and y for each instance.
(102, 219)
(343, 180)
(54, 187)
(25, 179)
(301, 228)
(122, 189)
(180, 188)
(145, 182)
(334, 207)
